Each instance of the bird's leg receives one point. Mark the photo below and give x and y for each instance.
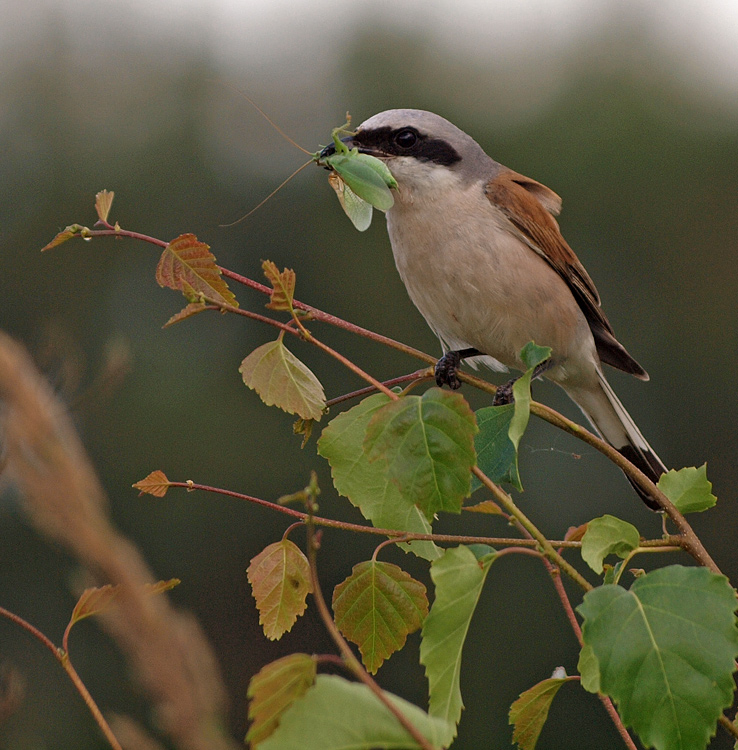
(504, 394)
(447, 366)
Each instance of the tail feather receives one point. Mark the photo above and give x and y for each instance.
(610, 419)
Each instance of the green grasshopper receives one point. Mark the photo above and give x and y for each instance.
(362, 182)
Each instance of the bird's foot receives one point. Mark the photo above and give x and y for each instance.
(446, 369)
(448, 364)
(504, 394)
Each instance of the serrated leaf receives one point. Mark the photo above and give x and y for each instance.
(155, 484)
(95, 600)
(283, 286)
(187, 261)
(529, 712)
(367, 484)
(666, 651)
(428, 444)
(497, 456)
(193, 308)
(103, 202)
(689, 489)
(280, 582)
(282, 380)
(336, 714)
(605, 536)
(458, 577)
(377, 607)
(360, 212)
(532, 356)
(63, 236)
(273, 689)
(589, 669)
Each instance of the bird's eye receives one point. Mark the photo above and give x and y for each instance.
(406, 138)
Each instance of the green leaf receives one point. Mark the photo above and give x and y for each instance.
(589, 669)
(666, 651)
(497, 457)
(529, 712)
(363, 179)
(608, 536)
(367, 484)
(689, 489)
(532, 355)
(282, 380)
(428, 444)
(336, 714)
(458, 577)
(377, 607)
(280, 581)
(273, 689)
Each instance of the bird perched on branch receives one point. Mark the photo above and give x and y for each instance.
(484, 261)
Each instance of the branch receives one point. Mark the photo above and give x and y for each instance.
(348, 655)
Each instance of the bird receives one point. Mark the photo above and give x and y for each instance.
(481, 254)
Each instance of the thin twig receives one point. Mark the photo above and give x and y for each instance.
(348, 655)
(62, 657)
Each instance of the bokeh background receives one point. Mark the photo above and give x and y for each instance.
(629, 110)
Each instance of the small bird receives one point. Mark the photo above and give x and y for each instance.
(484, 261)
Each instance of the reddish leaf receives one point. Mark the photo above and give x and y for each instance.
(103, 202)
(188, 265)
(93, 601)
(98, 599)
(192, 309)
(155, 484)
(283, 286)
(273, 689)
(67, 234)
(487, 506)
(280, 582)
(377, 607)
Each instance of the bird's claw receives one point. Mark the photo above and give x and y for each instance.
(446, 369)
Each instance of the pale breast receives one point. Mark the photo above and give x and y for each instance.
(479, 285)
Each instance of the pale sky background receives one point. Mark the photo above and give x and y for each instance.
(704, 33)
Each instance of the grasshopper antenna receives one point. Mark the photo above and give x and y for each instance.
(268, 119)
(276, 190)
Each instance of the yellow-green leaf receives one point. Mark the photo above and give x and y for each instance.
(529, 712)
(63, 236)
(280, 582)
(103, 202)
(282, 380)
(273, 689)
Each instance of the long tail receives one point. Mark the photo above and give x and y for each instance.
(609, 417)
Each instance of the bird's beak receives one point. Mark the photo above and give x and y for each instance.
(330, 149)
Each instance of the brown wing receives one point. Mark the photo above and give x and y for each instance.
(530, 206)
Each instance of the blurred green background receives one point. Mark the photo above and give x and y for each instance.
(629, 111)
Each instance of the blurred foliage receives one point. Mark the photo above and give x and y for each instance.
(647, 168)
